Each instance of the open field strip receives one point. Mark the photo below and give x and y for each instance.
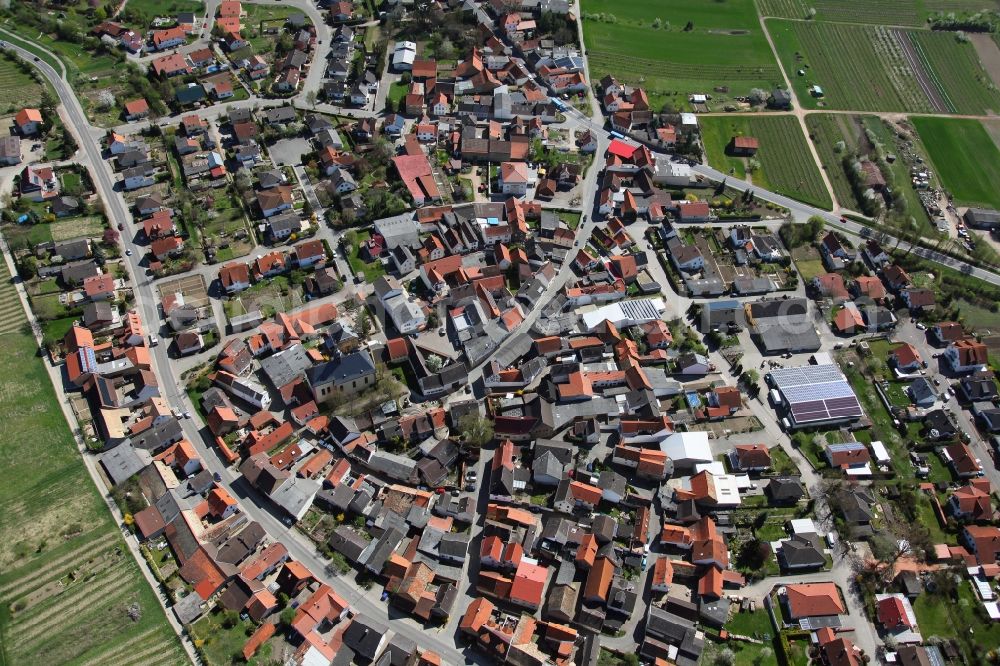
(903, 71)
(965, 159)
(38, 639)
(114, 653)
(38, 623)
(147, 656)
(957, 70)
(55, 522)
(17, 88)
(826, 132)
(911, 13)
(54, 569)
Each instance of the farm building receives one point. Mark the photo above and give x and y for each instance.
(745, 146)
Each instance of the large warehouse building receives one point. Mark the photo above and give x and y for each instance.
(815, 395)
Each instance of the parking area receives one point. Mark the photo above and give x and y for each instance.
(289, 152)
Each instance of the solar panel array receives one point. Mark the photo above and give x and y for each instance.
(640, 309)
(817, 393)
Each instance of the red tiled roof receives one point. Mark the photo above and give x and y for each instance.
(599, 579)
(131, 108)
(892, 613)
(528, 583)
(906, 355)
(813, 600)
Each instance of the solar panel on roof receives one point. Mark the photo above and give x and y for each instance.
(817, 393)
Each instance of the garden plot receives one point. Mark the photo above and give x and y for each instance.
(193, 288)
(269, 296)
(78, 227)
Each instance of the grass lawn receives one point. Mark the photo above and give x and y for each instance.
(813, 451)
(896, 392)
(781, 462)
(770, 531)
(785, 163)
(571, 219)
(142, 12)
(799, 652)
(928, 518)
(965, 158)
(56, 523)
(48, 307)
(807, 260)
(29, 234)
(56, 329)
(220, 643)
(225, 221)
(262, 17)
(756, 623)
(77, 227)
(71, 180)
(882, 428)
(697, 47)
(810, 268)
(397, 91)
(978, 317)
(372, 270)
(944, 617)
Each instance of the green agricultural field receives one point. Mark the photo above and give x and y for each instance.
(786, 165)
(884, 12)
(965, 158)
(835, 136)
(894, 12)
(885, 69)
(875, 57)
(17, 88)
(724, 47)
(65, 569)
(956, 72)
